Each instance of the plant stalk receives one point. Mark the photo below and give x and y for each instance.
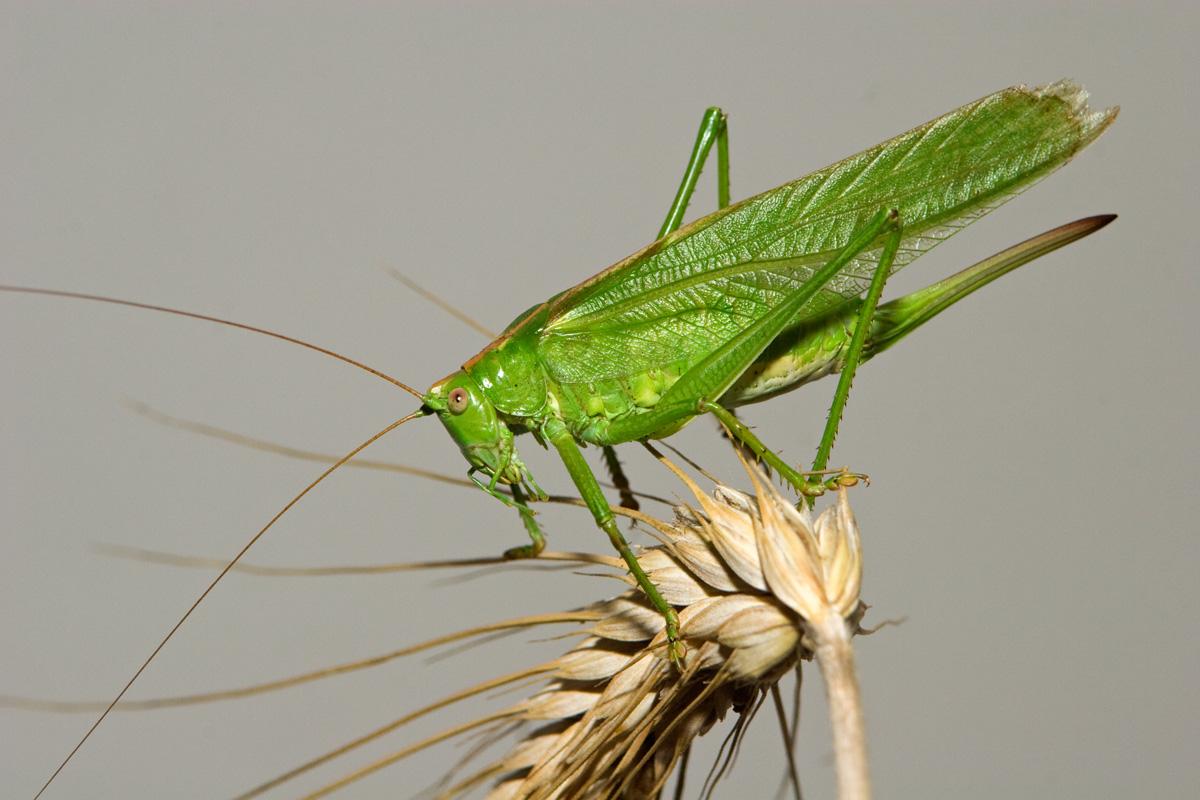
(835, 656)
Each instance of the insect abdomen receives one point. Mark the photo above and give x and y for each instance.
(588, 407)
(797, 357)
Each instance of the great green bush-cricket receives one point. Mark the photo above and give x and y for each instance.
(744, 304)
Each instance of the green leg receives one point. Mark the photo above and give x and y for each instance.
(589, 489)
(713, 128)
(803, 482)
(714, 125)
(875, 332)
(695, 393)
(519, 501)
(708, 380)
(854, 352)
(537, 539)
(807, 485)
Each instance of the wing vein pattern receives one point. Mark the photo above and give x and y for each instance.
(684, 295)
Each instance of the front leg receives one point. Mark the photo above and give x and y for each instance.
(520, 502)
(537, 539)
(589, 489)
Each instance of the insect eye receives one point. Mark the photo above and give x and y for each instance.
(458, 400)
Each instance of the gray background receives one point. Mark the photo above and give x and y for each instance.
(1032, 513)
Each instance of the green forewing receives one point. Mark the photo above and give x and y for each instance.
(676, 301)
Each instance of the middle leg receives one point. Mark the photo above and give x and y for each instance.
(589, 489)
(619, 479)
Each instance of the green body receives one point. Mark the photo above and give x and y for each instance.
(755, 299)
(601, 356)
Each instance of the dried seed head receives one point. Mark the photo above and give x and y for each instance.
(753, 577)
(759, 586)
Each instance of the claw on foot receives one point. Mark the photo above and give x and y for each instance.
(676, 648)
(836, 479)
(844, 478)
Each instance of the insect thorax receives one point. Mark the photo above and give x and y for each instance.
(511, 377)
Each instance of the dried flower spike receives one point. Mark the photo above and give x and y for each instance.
(759, 585)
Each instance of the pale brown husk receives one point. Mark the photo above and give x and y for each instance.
(759, 586)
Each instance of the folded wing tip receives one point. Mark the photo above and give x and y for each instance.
(1076, 97)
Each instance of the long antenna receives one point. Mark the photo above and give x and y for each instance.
(442, 303)
(252, 328)
(223, 573)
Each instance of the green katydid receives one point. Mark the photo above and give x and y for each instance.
(741, 305)
(754, 300)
